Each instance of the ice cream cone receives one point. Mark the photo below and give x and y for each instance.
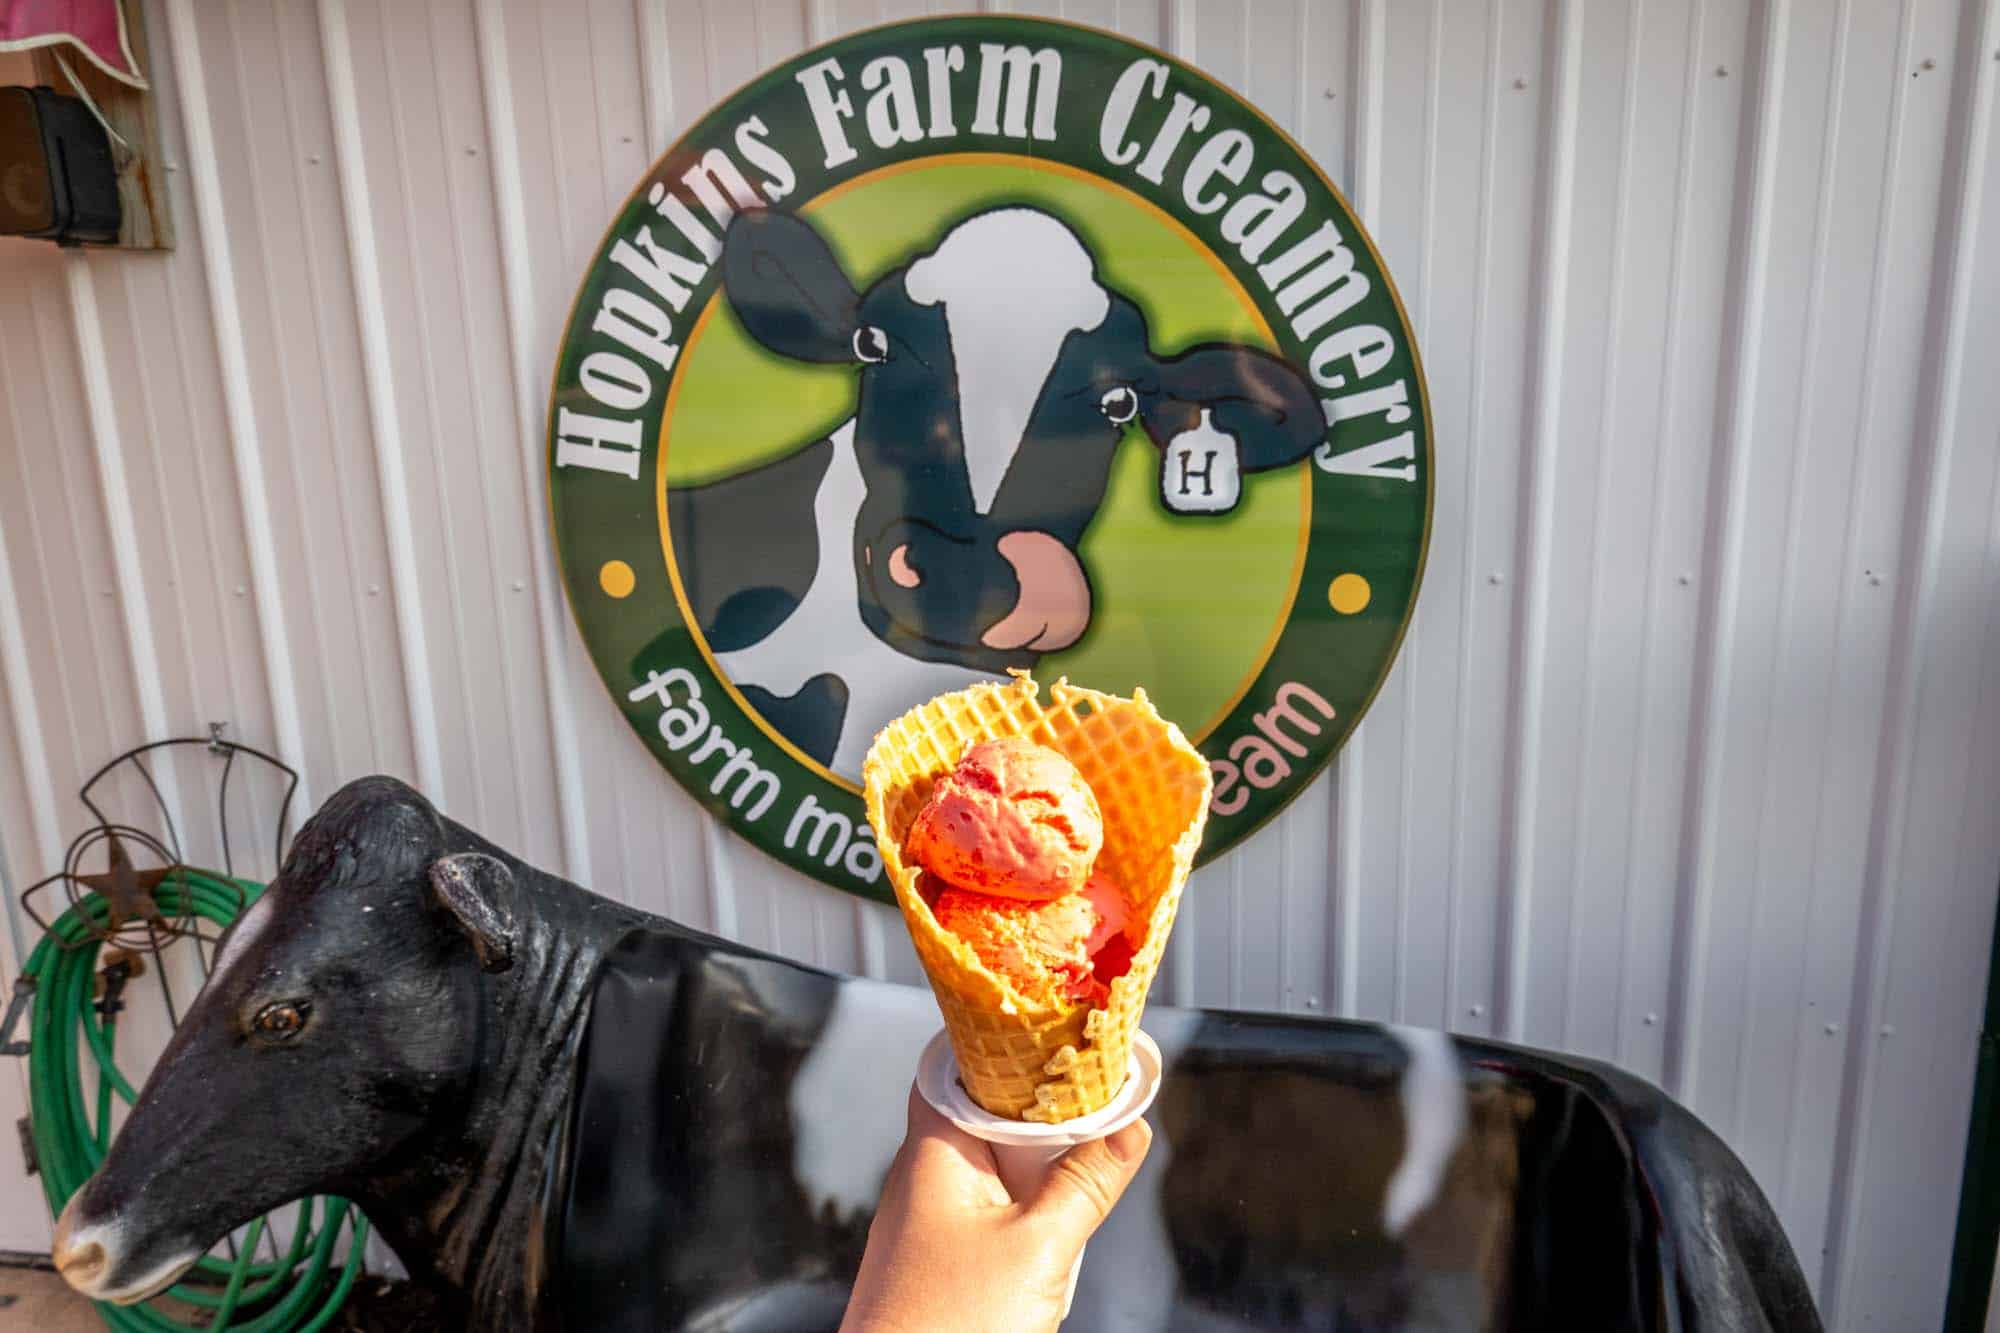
(1036, 1058)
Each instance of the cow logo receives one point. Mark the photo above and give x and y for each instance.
(970, 345)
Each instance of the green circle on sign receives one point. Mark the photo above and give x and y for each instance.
(1151, 574)
(777, 531)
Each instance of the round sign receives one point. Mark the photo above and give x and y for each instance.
(973, 345)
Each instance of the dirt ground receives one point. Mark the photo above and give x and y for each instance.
(36, 1299)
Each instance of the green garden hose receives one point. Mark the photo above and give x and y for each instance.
(299, 1293)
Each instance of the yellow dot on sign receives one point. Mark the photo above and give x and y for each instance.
(617, 578)
(1348, 594)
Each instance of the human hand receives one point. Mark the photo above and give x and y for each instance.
(958, 1243)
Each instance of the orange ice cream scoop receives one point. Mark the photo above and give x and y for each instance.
(1042, 948)
(1014, 819)
(1061, 949)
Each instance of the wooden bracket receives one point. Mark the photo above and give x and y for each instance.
(142, 184)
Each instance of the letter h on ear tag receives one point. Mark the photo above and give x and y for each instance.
(1199, 472)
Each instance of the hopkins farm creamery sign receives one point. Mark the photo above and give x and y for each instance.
(974, 344)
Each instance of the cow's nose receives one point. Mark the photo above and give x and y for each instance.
(1054, 606)
(80, 1265)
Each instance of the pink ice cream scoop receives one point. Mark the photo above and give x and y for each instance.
(1014, 819)
(1060, 950)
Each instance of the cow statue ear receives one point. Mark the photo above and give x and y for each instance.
(1221, 410)
(476, 889)
(786, 287)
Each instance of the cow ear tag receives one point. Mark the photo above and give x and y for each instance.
(472, 887)
(1200, 472)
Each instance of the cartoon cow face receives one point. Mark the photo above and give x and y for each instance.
(998, 375)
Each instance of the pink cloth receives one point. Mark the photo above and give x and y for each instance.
(94, 27)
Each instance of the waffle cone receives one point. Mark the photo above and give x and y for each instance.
(1020, 1056)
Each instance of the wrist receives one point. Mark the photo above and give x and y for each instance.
(872, 1316)
(927, 1312)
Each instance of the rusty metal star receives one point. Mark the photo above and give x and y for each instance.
(127, 890)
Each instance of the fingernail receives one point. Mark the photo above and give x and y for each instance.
(1129, 1143)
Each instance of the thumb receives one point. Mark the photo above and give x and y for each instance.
(1080, 1190)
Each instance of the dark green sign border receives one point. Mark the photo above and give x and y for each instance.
(1371, 526)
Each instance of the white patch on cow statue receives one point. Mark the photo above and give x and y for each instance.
(1433, 1098)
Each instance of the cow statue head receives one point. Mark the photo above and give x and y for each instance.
(343, 1016)
(998, 374)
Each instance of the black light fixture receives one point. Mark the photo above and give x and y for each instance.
(57, 179)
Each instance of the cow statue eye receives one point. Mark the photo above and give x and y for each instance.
(1119, 405)
(281, 1021)
(871, 345)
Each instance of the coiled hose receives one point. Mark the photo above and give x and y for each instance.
(302, 1291)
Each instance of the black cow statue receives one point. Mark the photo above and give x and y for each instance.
(574, 1116)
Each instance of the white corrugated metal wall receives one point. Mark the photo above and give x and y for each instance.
(1692, 758)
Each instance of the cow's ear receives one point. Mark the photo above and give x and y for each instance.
(787, 288)
(1223, 409)
(478, 891)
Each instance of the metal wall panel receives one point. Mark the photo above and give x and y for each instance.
(1692, 758)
